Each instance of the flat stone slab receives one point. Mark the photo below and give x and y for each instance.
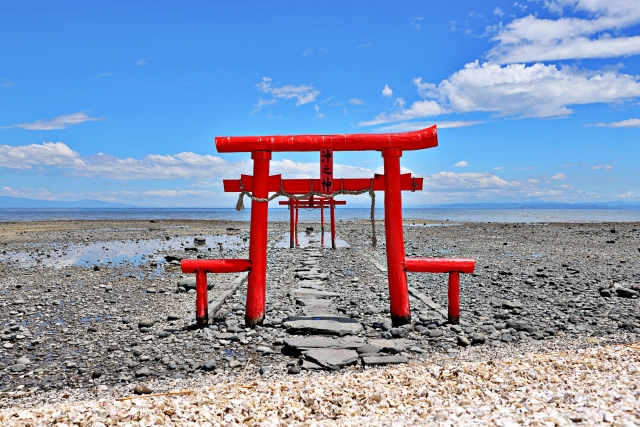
(384, 360)
(393, 346)
(312, 284)
(322, 325)
(305, 343)
(331, 358)
(311, 275)
(314, 292)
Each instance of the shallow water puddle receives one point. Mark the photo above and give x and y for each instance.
(312, 240)
(131, 252)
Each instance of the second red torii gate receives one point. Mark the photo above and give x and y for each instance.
(261, 183)
(311, 203)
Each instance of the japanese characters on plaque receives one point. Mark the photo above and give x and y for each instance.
(326, 170)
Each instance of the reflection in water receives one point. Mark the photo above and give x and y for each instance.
(114, 252)
(312, 240)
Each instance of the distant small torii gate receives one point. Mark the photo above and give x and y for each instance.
(261, 184)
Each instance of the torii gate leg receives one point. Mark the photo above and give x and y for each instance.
(257, 280)
(291, 226)
(297, 225)
(322, 225)
(333, 225)
(398, 288)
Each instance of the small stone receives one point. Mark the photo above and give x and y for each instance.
(264, 369)
(478, 338)
(463, 341)
(144, 372)
(209, 365)
(235, 364)
(96, 374)
(511, 304)
(92, 329)
(367, 349)
(172, 365)
(173, 316)
(384, 360)
(627, 293)
(145, 323)
(23, 360)
(387, 326)
(142, 389)
(264, 350)
(399, 332)
(18, 367)
(435, 333)
(293, 370)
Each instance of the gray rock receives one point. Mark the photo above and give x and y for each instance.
(173, 316)
(393, 346)
(331, 358)
(387, 326)
(235, 364)
(384, 360)
(478, 338)
(435, 333)
(146, 323)
(209, 365)
(264, 350)
(19, 367)
(264, 369)
(463, 341)
(293, 370)
(399, 332)
(143, 372)
(23, 360)
(511, 304)
(627, 293)
(310, 366)
(303, 343)
(323, 325)
(367, 349)
(506, 337)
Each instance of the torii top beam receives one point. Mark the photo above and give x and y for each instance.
(417, 140)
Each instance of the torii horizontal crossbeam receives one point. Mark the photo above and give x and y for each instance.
(418, 140)
(303, 186)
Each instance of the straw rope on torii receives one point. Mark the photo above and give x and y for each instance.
(282, 193)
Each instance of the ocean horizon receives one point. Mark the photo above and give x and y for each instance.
(342, 214)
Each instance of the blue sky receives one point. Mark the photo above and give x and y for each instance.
(121, 101)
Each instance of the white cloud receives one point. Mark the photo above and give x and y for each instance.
(498, 11)
(355, 101)
(6, 83)
(409, 126)
(6, 188)
(303, 94)
(559, 176)
(497, 168)
(602, 167)
(531, 39)
(629, 123)
(108, 73)
(387, 91)
(60, 122)
(141, 61)
(416, 22)
(417, 110)
(461, 164)
(319, 114)
(59, 158)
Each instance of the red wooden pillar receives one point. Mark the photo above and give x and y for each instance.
(333, 225)
(322, 224)
(202, 301)
(297, 224)
(454, 297)
(291, 226)
(257, 280)
(398, 288)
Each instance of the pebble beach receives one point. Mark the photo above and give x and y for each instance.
(96, 311)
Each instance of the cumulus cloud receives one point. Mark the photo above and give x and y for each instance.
(461, 164)
(629, 123)
(60, 122)
(559, 176)
(355, 101)
(537, 90)
(387, 91)
(57, 157)
(410, 126)
(531, 39)
(303, 94)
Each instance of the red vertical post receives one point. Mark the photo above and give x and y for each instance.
(202, 301)
(454, 297)
(333, 225)
(257, 280)
(398, 288)
(297, 224)
(291, 226)
(322, 223)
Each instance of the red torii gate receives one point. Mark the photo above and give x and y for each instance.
(260, 184)
(311, 203)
